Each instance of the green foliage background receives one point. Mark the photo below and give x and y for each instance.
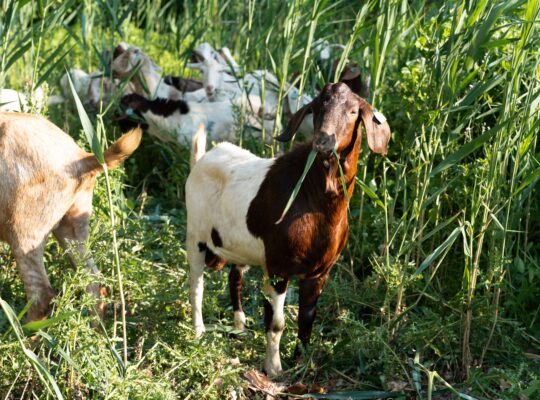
(441, 273)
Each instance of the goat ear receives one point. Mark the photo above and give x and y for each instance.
(119, 50)
(294, 123)
(377, 129)
(197, 56)
(350, 72)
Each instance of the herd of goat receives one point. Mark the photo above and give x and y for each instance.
(234, 199)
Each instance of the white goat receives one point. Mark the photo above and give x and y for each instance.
(92, 88)
(220, 85)
(178, 120)
(205, 51)
(148, 81)
(12, 100)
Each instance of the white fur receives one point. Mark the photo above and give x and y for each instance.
(240, 320)
(272, 364)
(220, 86)
(218, 118)
(91, 88)
(11, 100)
(205, 51)
(218, 121)
(148, 81)
(196, 283)
(227, 178)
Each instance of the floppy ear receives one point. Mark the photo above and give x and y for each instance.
(119, 50)
(197, 56)
(377, 129)
(350, 72)
(294, 123)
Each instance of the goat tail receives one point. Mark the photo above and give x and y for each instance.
(198, 145)
(118, 152)
(123, 148)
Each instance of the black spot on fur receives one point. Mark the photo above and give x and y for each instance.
(216, 239)
(183, 84)
(127, 123)
(159, 106)
(210, 258)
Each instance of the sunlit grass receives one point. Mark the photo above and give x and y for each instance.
(440, 280)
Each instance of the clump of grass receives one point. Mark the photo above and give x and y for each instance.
(439, 282)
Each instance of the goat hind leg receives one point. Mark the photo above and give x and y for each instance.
(236, 281)
(196, 256)
(36, 282)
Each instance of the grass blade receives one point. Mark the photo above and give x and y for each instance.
(88, 128)
(309, 163)
(467, 149)
(438, 251)
(43, 373)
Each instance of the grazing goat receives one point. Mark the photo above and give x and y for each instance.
(46, 186)
(178, 120)
(234, 200)
(221, 86)
(11, 100)
(351, 71)
(148, 81)
(205, 51)
(219, 70)
(92, 89)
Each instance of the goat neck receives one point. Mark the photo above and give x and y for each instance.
(348, 159)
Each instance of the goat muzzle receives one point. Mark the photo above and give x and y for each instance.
(324, 143)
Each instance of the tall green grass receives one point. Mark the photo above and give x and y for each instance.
(439, 282)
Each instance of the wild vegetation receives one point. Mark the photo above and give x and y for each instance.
(435, 296)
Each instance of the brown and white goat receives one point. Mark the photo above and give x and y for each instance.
(46, 186)
(234, 199)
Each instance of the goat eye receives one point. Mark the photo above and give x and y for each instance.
(354, 112)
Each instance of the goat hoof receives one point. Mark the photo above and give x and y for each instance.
(199, 330)
(272, 369)
(34, 341)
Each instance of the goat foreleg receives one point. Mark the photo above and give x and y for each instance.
(274, 322)
(309, 292)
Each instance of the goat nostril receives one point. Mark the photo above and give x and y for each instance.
(323, 140)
